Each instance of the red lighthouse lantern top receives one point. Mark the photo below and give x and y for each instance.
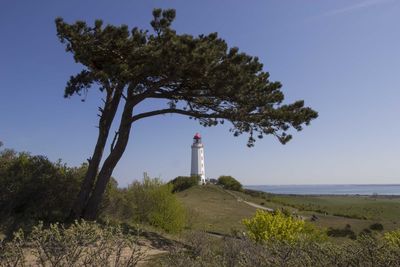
(197, 136)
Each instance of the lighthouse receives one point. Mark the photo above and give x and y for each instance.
(198, 159)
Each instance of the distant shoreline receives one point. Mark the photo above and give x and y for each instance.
(376, 190)
(300, 185)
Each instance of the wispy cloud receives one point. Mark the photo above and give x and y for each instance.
(354, 7)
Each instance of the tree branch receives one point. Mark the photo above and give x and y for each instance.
(178, 111)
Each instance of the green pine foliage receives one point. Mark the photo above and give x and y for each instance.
(200, 77)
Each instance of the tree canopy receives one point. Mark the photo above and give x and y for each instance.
(213, 81)
(228, 182)
(197, 76)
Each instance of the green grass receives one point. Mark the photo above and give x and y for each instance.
(213, 209)
(380, 208)
(337, 211)
(262, 201)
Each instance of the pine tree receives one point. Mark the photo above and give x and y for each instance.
(197, 76)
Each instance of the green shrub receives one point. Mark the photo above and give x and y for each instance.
(154, 203)
(181, 183)
(167, 212)
(376, 227)
(230, 183)
(366, 231)
(341, 232)
(116, 206)
(32, 188)
(12, 252)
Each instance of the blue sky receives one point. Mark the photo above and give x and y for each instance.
(342, 57)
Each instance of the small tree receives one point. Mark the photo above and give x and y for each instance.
(196, 76)
(181, 183)
(228, 182)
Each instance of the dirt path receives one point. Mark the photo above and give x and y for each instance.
(239, 199)
(256, 205)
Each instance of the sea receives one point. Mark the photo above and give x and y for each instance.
(331, 189)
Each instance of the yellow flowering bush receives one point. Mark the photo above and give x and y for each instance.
(276, 226)
(392, 238)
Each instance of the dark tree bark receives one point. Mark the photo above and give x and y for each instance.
(92, 207)
(106, 119)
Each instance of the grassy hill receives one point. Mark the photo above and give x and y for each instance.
(214, 209)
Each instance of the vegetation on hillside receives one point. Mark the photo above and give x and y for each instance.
(39, 187)
(278, 239)
(336, 211)
(156, 205)
(240, 251)
(212, 209)
(149, 202)
(230, 183)
(33, 189)
(181, 183)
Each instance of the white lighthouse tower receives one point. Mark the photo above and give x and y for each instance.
(198, 159)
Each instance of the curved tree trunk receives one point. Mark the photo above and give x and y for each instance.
(91, 210)
(106, 119)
